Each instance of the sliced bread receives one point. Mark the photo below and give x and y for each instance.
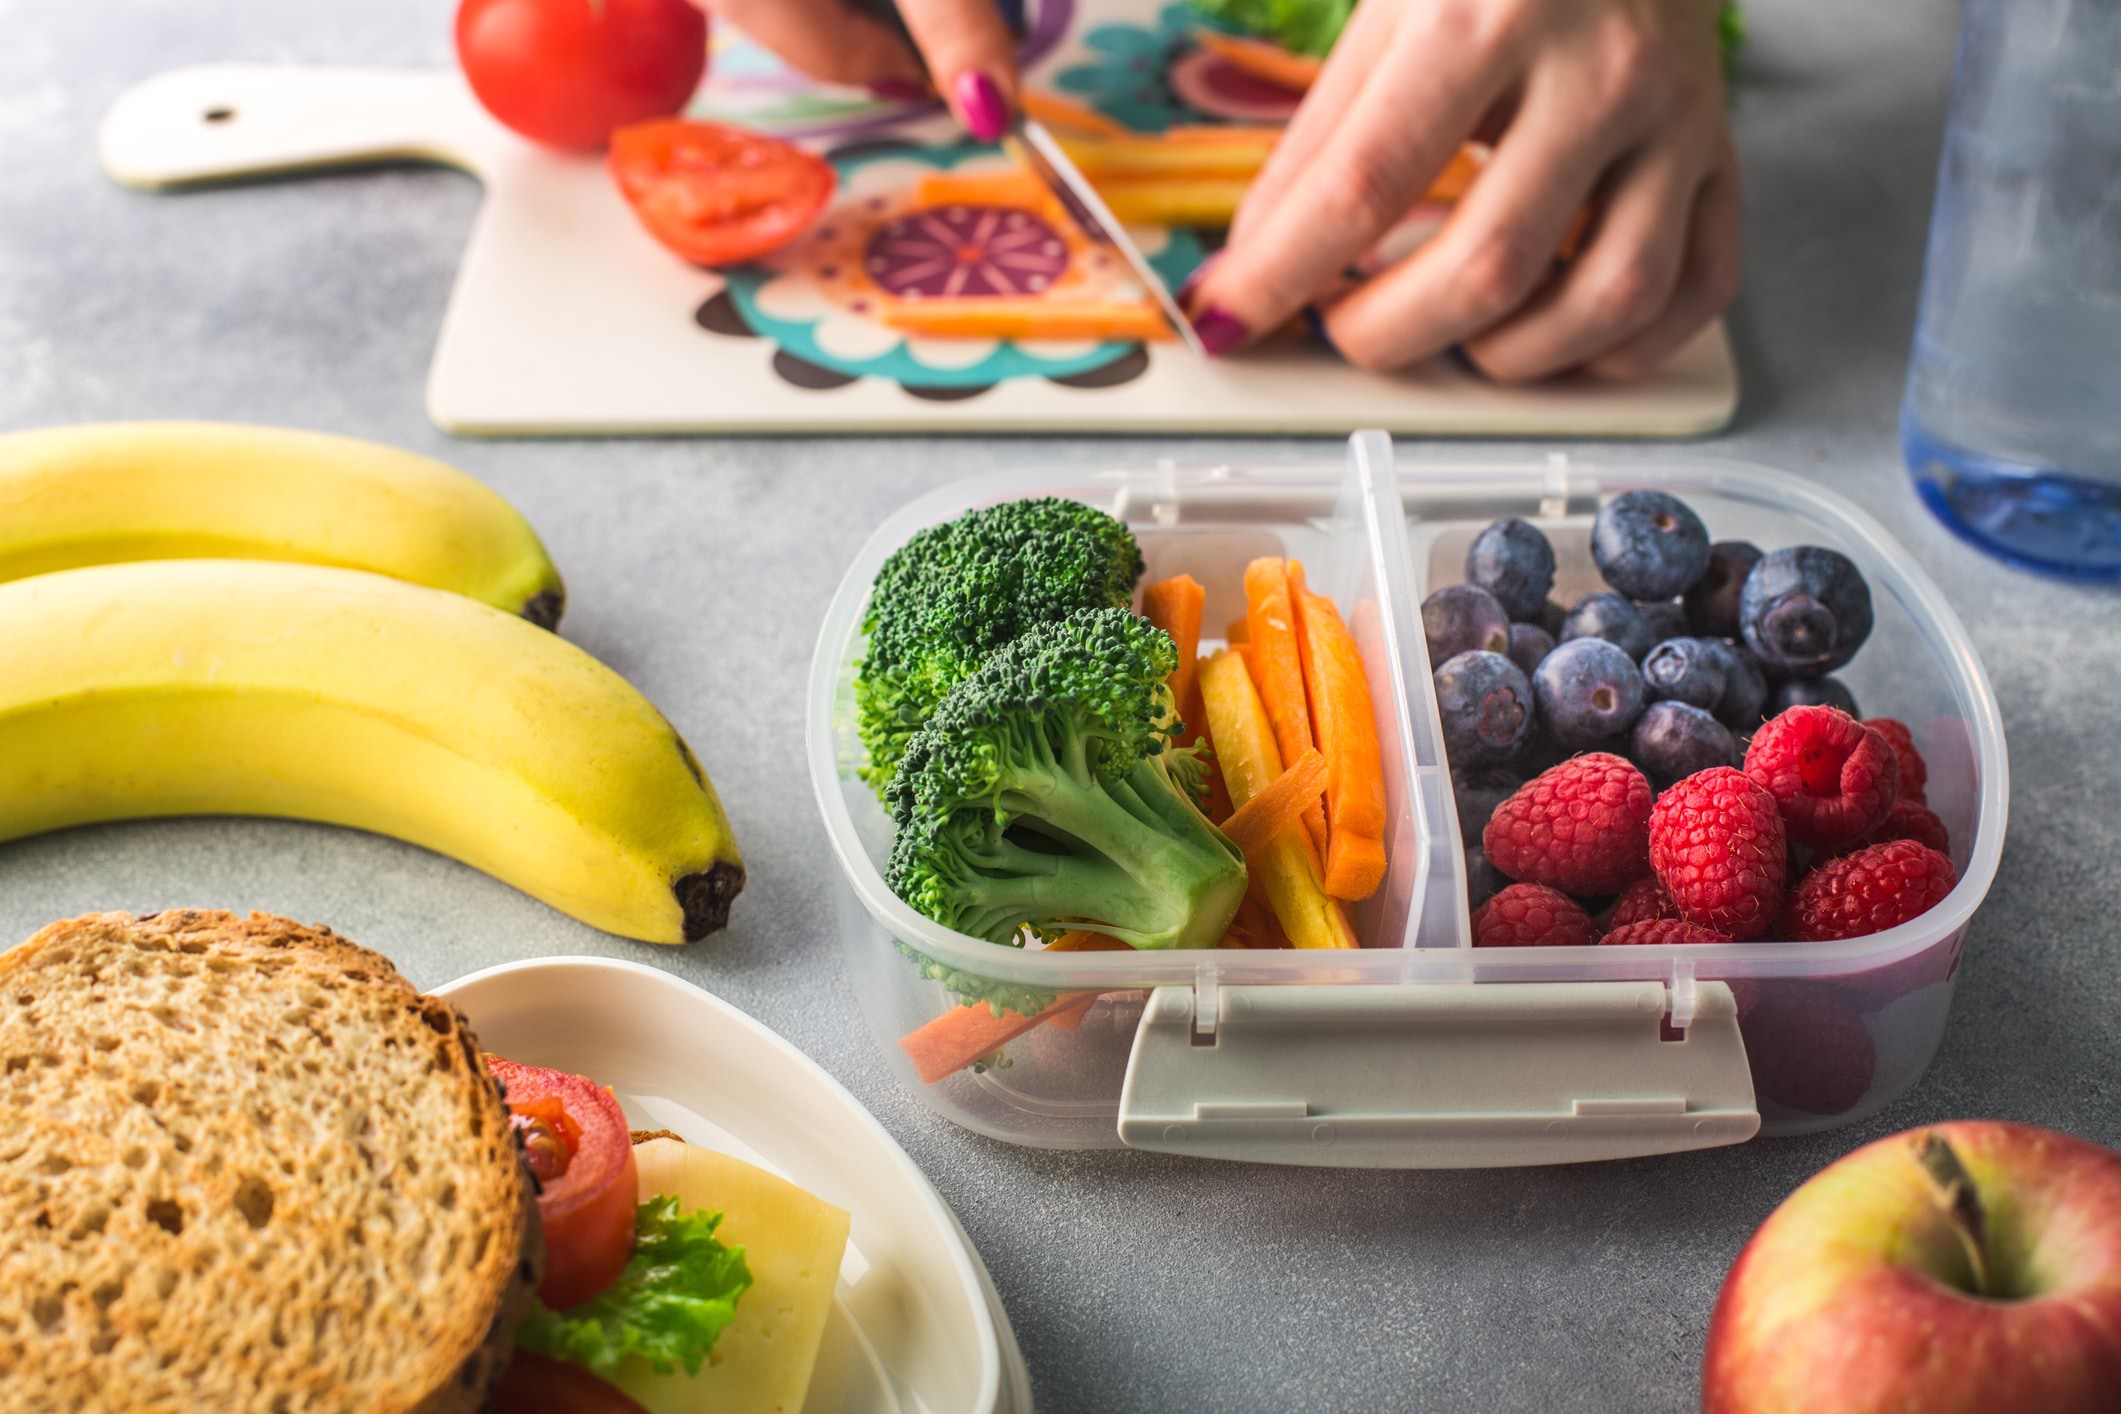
(246, 1165)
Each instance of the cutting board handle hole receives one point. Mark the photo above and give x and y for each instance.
(218, 115)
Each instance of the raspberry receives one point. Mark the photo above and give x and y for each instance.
(1716, 841)
(1876, 888)
(1833, 777)
(1532, 916)
(1808, 1050)
(1654, 931)
(1909, 821)
(1582, 827)
(1641, 901)
(1914, 774)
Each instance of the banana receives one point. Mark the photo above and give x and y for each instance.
(104, 493)
(229, 687)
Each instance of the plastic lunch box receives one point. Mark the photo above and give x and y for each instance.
(1419, 1050)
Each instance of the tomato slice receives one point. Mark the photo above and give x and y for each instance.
(718, 195)
(576, 1140)
(535, 1384)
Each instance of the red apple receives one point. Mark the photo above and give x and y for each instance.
(1961, 1267)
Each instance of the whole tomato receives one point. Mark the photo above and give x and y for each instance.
(567, 72)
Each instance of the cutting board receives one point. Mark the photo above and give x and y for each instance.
(566, 318)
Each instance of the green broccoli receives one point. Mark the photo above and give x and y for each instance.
(1044, 792)
(1299, 26)
(956, 592)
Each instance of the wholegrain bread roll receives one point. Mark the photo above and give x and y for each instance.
(246, 1165)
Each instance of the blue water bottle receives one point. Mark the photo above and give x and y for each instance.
(2012, 422)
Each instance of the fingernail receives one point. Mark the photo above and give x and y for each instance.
(1220, 331)
(980, 104)
(900, 90)
(1200, 273)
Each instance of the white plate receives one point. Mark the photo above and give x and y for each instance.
(918, 1326)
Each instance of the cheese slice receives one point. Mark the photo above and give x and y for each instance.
(793, 1244)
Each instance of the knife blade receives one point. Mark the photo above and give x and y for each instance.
(1038, 150)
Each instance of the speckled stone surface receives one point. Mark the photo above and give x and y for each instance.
(701, 569)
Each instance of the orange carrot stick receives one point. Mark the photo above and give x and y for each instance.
(1013, 187)
(1281, 802)
(1080, 940)
(963, 1034)
(1175, 605)
(1261, 59)
(1277, 669)
(1238, 632)
(1347, 735)
(1056, 111)
(1028, 317)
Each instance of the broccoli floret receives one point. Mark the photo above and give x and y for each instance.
(1299, 26)
(1043, 793)
(956, 592)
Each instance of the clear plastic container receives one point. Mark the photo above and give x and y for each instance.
(1410, 1052)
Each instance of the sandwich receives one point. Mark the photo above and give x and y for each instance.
(246, 1165)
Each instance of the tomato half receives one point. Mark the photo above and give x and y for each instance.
(575, 1138)
(568, 72)
(534, 1384)
(718, 195)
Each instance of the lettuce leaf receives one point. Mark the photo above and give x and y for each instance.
(1299, 26)
(669, 1306)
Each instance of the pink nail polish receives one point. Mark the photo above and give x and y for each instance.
(980, 104)
(1220, 331)
(900, 90)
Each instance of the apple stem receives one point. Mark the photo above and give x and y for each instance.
(1952, 1188)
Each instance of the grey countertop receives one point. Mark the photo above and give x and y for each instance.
(701, 569)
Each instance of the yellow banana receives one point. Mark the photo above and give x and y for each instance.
(109, 492)
(230, 687)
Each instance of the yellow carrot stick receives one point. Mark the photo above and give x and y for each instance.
(1289, 874)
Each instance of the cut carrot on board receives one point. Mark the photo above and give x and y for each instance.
(1289, 875)
(1014, 187)
(1261, 59)
(1277, 669)
(963, 1034)
(1030, 317)
(1157, 156)
(1281, 803)
(1339, 693)
(1067, 114)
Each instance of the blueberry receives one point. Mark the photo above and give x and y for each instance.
(1528, 644)
(1745, 688)
(1712, 604)
(1673, 740)
(1665, 617)
(1483, 880)
(1513, 562)
(1689, 670)
(1588, 690)
(1551, 617)
(1486, 705)
(1649, 545)
(1812, 692)
(1464, 619)
(1478, 792)
(1805, 611)
(1608, 616)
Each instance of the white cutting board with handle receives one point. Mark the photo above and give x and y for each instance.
(568, 319)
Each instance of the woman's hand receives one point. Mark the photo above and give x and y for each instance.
(969, 53)
(1610, 106)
